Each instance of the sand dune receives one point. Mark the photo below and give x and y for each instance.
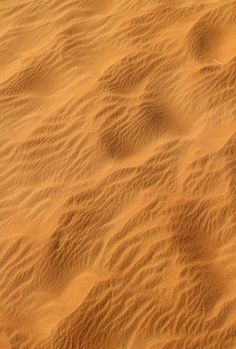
(118, 174)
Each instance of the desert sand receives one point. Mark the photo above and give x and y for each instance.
(118, 174)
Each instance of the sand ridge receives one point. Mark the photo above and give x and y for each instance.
(117, 174)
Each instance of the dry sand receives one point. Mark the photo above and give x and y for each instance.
(117, 174)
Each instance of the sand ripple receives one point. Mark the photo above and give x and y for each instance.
(117, 174)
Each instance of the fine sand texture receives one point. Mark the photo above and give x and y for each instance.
(118, 174)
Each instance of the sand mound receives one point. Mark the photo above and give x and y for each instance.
(117, 174)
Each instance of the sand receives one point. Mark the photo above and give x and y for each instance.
(118, 174)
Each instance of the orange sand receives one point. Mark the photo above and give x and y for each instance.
(118, 174)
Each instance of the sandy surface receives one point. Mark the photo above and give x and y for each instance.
(117, 174)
